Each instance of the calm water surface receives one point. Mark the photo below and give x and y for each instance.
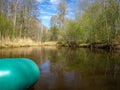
(72, 69)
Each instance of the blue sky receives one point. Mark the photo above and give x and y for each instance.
(48, 8)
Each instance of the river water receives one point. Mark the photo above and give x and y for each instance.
(71, 69)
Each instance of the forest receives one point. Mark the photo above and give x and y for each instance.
(18, 19)
(95, 22)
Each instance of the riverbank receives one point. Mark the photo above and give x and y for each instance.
(6, 43)
(23, 43)
(96, 45)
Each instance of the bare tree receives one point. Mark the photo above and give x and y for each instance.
(62, 10)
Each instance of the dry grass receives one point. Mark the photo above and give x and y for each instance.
(15, 43)
(26, 42)
(49, 44)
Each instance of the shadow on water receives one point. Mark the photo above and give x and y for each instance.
(72, 69)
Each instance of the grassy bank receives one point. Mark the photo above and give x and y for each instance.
(26, 42)
(6, 43)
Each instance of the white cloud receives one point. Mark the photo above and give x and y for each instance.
(47, 13)
(54, 1)
(40, 0)
(46, 17)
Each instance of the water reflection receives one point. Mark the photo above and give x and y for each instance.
(72, 69)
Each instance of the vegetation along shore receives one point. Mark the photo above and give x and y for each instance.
(96, 24)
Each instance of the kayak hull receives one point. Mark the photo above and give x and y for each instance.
(18, 73)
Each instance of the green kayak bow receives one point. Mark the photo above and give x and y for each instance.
(18, 73)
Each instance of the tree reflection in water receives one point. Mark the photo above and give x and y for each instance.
(72, 69)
